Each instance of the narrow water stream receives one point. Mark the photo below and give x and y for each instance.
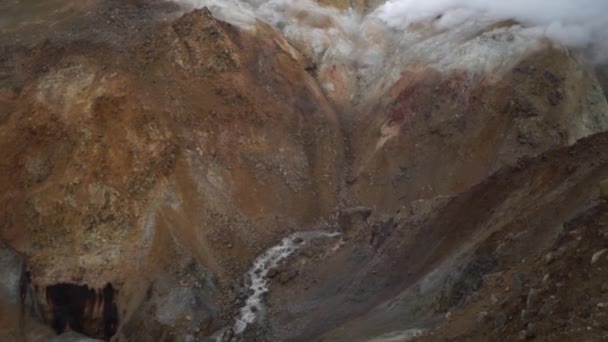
(258, 273)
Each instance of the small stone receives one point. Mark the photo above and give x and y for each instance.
(482, 317)
(298, 240)
(522, 335)
(519, 280)
(528, 315)
(596, 256)
(492, 277)
(228, 335)
(493, 299)
(586, 311)
(530, 332)
(350, 217)
(548, 308)
(533, 299)
(501, 320)
(549, 258)
(287, 276)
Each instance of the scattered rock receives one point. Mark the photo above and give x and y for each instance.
(493, 299)
(528, 315)
(501, 320)
(586, 311)
(492, 277)
(529, 333)
(549, 258)
(381, 231)
(287, 276)
(519, 280)
(596, 256)
(522, 335)
(473, 297)
(481, 317)
(548, 307)
(228, 335)
(272, 273)
(533, 299)
(348, 218)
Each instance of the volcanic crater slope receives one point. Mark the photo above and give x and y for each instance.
(143, 175)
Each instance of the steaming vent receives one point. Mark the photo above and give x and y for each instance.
(92, 312)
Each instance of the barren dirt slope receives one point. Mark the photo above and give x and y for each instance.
(149, 154)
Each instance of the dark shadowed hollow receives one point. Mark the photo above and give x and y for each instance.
(83, 309)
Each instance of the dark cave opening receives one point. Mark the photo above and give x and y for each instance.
(82, 309)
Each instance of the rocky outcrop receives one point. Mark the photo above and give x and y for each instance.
(557, 294)
(120, 163)
(143, 174)
(20, 316)
(11, 293)
(437, 133)
(434, 256)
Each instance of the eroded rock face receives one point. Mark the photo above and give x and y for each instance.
(115, 179)
(20, 317)
(13, 270)
(437, 133)
(178, 302)
(164, 164)
(408, 271)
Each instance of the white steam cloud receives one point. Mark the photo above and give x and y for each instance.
(371, 50)
(574, 23)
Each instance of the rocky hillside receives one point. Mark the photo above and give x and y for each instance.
(151, 151)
